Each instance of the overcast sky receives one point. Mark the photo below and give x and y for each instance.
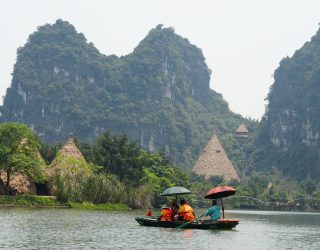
(243, 40)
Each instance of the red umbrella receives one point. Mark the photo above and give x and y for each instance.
(219, 193)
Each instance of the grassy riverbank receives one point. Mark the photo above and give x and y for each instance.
(30, 201)
(91, 206)
(50, 201)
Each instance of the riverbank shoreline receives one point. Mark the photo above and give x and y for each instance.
(34, 201)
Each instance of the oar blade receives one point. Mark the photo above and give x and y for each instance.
(188, 222)
(182, 225)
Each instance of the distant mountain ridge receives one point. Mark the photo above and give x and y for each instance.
(159, 94)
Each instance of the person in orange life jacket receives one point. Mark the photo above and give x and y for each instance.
(166, 213)
(186, 212)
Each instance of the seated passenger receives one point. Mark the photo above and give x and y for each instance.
(149, 213)
(214, 211)
(166, 214)
(174, 209)
(186, 212)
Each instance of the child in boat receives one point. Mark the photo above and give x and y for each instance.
(149, 213)
(174, 209)
(214, 211)
(166, 213)
(186, 212)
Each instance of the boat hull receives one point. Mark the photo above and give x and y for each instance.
(222, 224)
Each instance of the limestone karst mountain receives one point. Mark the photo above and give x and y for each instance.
(289, 134)
(158, 95)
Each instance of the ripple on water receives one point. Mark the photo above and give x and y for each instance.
(81, 229)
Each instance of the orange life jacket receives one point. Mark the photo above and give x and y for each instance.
(166, 214)
(186, 212)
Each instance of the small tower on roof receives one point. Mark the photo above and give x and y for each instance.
(214, 162)
(241, 133)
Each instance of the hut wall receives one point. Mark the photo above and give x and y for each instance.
(21, 183)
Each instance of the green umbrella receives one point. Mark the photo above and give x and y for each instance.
(175, 191)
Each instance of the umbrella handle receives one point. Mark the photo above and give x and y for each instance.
(222, 207)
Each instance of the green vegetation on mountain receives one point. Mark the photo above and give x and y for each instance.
(137, 115)
(289, 133)
(120, 172)
(158, 95)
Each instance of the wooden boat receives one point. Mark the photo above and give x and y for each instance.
(219, 224)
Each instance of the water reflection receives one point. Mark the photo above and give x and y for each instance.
(187, 234)
(275, 217)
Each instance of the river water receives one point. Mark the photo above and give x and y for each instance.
(87, 229)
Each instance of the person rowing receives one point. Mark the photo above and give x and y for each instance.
(214, 211)
(186, 212)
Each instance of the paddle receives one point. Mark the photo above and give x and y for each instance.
(185, 224)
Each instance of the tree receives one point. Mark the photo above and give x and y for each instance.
(19, 152)
(308, 185)
(69, 174)
(48, 152)
(118, 156)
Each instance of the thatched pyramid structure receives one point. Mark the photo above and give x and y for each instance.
(21, 182)
(242, 129)
(69, 150)
(69, 163)
(214, 162)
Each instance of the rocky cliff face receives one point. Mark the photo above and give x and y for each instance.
(290, 128)
(159, 94)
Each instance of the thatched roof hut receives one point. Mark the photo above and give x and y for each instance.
(21, 182)
(68, 150)
(214, 161)
(241, 133)
(68, 164)
(242, 129)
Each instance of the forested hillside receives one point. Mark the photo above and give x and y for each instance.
(158, 95)
(289, 134)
